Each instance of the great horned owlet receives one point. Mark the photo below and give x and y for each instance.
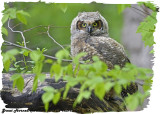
(89, 33)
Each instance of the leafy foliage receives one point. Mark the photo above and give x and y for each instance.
(38, 57)
(50, 94)
(149, 5)
(8, 58)
(95, 78)
(147, 28)
(13, 13)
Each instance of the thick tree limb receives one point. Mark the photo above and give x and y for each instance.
(14, 99)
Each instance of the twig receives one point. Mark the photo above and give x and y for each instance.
(33, 28)
(17, 32)
(16, 25)
(56, 41)
(51, 26)
(13, 44)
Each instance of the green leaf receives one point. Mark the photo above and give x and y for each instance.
(18, 81)
(38, 68)
(42, 77)
(8, 57)
(152, 51)
(46, 106)
(12, 69)
(147, 84)
(66, 91)
(49, 89)
(35, 55)
(118, 88)
(100, 91)
(57, 70)
(108, 86)
(47, 97)
(15, 77)
(26, 52)
(35, 84)
(61, 55)
(77, 57)
(23, 13)
(132, 102)
(11, 12)
(21, 18)
(84, 94)
(70, 69)
(20, 84)
(50, 61)
(5, 18)
(56, 98)
(148, 4)
(95, 58)
(6, 64)
(122, 7)
(147, 28)
(13, 52)
(4, 31)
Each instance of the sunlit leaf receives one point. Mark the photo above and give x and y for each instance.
(4, 31)
(49, 89)
(36, 55)
(62, 54)
(56, 98)
(108, 86)
(5, 18)
(18, 81)
(100, 90)
(148, 4)
(23, 13)
(21, 18)
(35, 84)
(42, 77)
(47, 97)
(147, 28)
(117, 88)
(132, 102)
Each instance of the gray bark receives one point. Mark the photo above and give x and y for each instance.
(14, 99)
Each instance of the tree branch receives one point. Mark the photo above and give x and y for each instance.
(17, 32)
(25, 47)
(13, 44)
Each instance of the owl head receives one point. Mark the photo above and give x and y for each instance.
(89, 23)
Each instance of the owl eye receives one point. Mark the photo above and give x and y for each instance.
(84, 24)
(94, 24)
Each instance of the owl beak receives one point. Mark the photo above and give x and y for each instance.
(89, 30)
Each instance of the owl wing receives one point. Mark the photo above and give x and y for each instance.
(109, 49)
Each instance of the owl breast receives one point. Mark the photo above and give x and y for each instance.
(107, 49)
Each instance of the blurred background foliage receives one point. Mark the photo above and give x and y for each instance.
(60, 17)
